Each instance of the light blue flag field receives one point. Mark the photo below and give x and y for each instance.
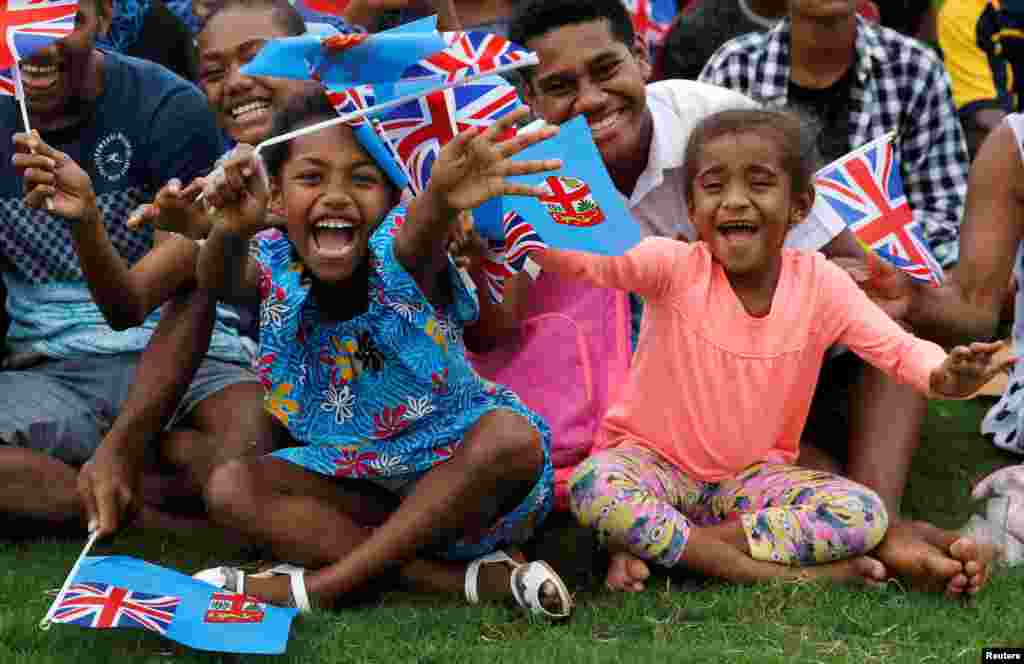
(106, 592)
(582, 209)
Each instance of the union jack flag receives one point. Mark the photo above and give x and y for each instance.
(7, 83)
(31, 25)
(865, 189)
(351, 100)
(470, 54)
(508, 257)
(104, 606)
(652, 20)
(418, 129)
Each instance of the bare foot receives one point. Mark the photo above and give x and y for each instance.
(919, 554)
(863, 570)
(626, 572)
(977, 560)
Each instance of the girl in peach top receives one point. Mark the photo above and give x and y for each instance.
(694, 462)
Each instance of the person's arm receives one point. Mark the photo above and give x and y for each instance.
(934, 162)
(646, 269)
(125, 295)
(240, 198)
(967, 306)
(109, 482)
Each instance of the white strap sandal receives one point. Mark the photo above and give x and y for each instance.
(233, 579)
(527, 580)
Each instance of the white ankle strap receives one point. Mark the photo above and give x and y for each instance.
(473, 572)
(298, 581)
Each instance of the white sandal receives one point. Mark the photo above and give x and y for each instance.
(233, 578)
(526, 580)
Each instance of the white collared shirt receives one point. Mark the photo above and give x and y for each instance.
(658, 202)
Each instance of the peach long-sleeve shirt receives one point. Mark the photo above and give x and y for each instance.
(712, 388)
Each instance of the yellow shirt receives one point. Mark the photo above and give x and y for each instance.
(970, 70)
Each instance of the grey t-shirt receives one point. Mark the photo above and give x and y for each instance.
(695, 37)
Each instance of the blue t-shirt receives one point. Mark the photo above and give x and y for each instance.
(147, 127)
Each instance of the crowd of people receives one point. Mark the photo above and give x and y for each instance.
(306, 360)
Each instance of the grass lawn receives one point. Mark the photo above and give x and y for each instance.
(676, 620)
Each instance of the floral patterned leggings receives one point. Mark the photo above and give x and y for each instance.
(637, 500)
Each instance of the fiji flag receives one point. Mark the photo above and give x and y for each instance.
(581, 208)
(31, 25)
(865, 190)
(118, 591)
(342, 61)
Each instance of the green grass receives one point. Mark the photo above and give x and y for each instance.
(676, 620)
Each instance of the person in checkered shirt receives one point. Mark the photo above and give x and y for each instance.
(860, 81)
(590, 64)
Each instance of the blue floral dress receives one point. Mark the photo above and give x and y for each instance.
(389, 394)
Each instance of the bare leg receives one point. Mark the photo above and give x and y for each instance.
(23, 472)
(268, 497)
(885, 431)
(230, 424)
(498, 462)
(38, 487)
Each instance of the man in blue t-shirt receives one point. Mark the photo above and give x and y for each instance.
(132, 126)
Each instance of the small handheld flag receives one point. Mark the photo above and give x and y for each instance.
(864, 189)
(582, 209)
(30, 26)
(106, 592)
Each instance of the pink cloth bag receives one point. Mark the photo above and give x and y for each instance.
(571, 357)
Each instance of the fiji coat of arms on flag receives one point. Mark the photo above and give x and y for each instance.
(570, 202)
(864, 189)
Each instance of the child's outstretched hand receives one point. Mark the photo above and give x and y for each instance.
(239, 191)
(968, 368)
(174, 210)
(473, 167)
(53, 181)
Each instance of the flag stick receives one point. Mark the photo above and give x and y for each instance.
(19, 92)
(363, 112)
(398, 101)
(45, 623)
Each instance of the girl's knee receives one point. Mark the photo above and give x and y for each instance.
(232, 487)
(506, 441)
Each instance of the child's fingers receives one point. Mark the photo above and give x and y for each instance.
(516, 189)
(525, 139)
(988, 348)
(530, 166)
(143, 214)
(506, 122)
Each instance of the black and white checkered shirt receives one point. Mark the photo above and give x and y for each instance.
(899, 85)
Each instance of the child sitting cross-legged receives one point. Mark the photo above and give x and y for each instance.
(366, 374)
(693, 466)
